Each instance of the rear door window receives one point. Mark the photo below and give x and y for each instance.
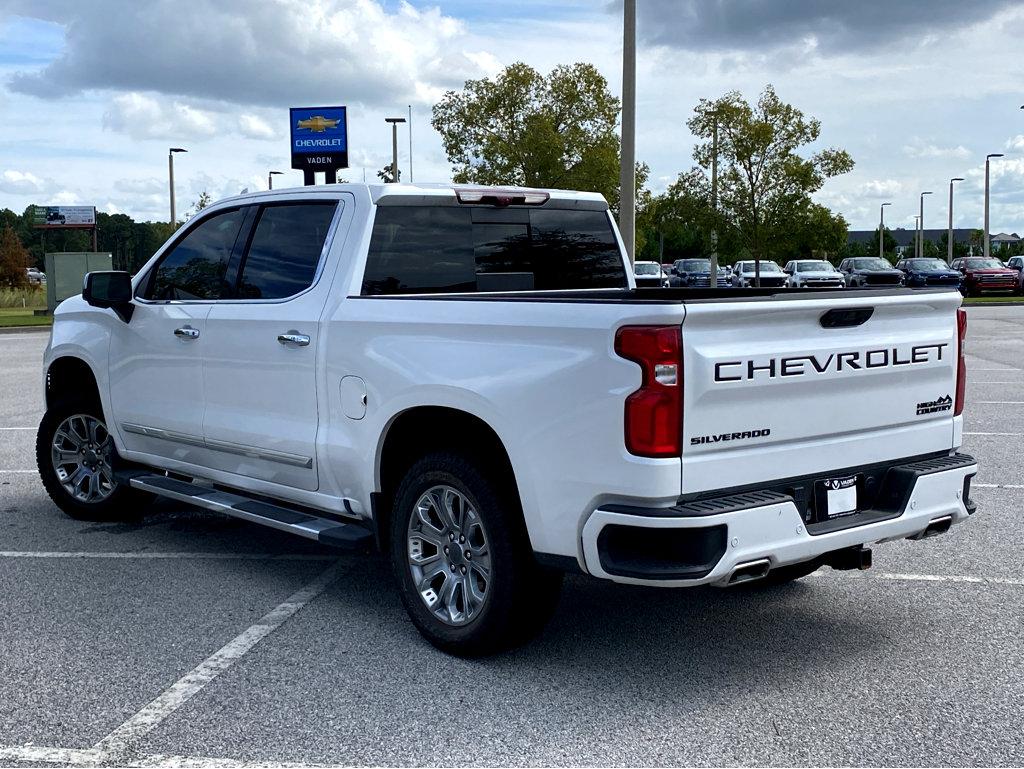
(433, 249)
(285, 249)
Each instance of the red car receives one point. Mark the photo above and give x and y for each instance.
(982, 275)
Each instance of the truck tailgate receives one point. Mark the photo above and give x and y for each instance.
(781, 388)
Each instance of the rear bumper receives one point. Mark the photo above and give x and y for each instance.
(700, 543)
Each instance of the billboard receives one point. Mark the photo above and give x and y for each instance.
(63, 216)
(319, 138)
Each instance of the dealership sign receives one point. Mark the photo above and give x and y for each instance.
(319, 138)
(63, 216)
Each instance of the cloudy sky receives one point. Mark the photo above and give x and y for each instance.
(92, 92)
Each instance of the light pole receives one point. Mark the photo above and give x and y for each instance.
(270, 178)
(949, 232)
(627, 158)
(881, 230)
(713, 272)
(920, 241)
(988, 245)
(170, 178)
(394, 145)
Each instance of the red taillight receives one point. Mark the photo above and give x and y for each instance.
(654, 413)
(961, 364)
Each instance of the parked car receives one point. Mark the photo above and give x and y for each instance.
(35, 276)
(928, 271)
(771, 274)
(696, 273)
(1017, 263)
(870, 271)
(648, 275)
(360, 365)
(813, 273)
(983, 275)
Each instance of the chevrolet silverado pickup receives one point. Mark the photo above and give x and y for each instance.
(469, 380)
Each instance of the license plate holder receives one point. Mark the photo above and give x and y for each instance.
(837, 497)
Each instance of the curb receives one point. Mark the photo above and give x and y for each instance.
(25, 329)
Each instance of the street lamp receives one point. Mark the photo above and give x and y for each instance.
(170, 175)
(881, 230)
(920, 240)
(988, 246)
(270, 178)
(949, 234)
(394, 145)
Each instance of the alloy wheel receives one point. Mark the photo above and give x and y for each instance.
(81, 451)
(448, 555)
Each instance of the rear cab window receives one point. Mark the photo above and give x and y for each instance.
(458, 249)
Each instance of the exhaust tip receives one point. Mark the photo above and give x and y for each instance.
(935, 527)
(751, 570)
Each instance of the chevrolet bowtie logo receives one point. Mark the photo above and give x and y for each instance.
(318, 124)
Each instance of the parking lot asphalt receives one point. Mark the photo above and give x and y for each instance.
(187, 638)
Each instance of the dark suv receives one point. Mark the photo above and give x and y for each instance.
(981, 275)
(919, 272)
(696, 273)
(1017, 263)
(870, 271)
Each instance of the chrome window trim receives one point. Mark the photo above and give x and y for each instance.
(282, 457)
(321, 264)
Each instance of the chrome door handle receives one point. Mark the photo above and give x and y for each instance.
(299, 340)
(187, 332)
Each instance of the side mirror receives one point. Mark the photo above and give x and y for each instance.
(110, 290)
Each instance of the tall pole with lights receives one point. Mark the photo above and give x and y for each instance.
(881, 230)
(987, 242)
(627, 162)
(949, 232)
(394, 145)
(270, 178)
(920, 241)
(170, 180)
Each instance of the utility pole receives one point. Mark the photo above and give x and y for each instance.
(881, 230)
(949, 232)
(394, 145)
(410, 144)
(170, 177)
(917, 228)
(920, 240)
(988, 245)
(713, 272)
(627, 161)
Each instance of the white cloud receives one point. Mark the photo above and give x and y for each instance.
(152, 116)
(269, 53)
(20, 182)
(881, 188)
(1016, 143)
(922, 150)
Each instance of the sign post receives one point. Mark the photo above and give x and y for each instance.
(319, 139)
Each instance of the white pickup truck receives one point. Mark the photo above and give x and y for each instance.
(469, 379)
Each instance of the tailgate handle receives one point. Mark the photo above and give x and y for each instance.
(847, 317)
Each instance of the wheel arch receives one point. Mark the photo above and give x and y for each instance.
(69, 376)
(450, 428)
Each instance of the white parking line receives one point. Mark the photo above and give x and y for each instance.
(18, 472)
(948, 578)
(997, 485)
(160, 556)
(971, 368)
(1004, 434)
(1001, 403)
(117, 745)
(17, 428)
(38, 754)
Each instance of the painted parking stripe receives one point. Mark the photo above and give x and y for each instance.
(1000, 403)
(1004, 434)
(17, 428)
(170, 556)
(119, 743)
(18, 472)
(948, 578)
(997, 485)
(42, 755)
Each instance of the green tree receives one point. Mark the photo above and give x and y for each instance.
(14, 259)
(384, 174)
(765, 186)
(202, 202)
(526, 129)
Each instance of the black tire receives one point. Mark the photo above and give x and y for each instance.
(122, 503)
(520, 596)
